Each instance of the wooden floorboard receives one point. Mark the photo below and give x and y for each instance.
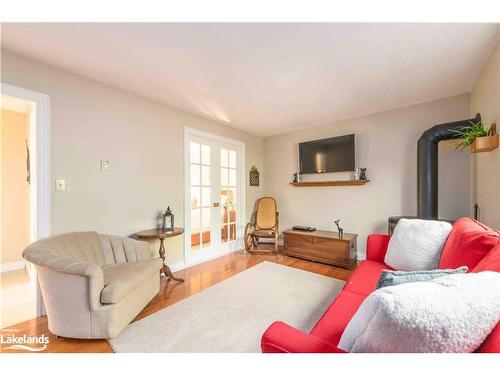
(197, 278)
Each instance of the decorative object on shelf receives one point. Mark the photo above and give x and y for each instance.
(297, 177)
(340, 230)
(168, 220)
(478, 136)
(254, 176)
(360, 174)
(357, 173)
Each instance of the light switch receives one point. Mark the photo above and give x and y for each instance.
(105, 164)
(60, 185)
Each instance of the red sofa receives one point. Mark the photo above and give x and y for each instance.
(470, 243)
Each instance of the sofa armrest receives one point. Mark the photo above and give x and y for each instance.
(283, 338)
(376, 247)
(55, 264)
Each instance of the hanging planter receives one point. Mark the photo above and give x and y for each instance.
(488, 143)
(479, 137)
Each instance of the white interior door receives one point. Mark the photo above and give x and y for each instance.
(214, 198)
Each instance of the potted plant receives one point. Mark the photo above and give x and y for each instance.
(478, 136)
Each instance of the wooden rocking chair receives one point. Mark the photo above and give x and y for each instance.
(264, 223)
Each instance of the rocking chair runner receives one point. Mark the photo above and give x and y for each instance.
(264, 223)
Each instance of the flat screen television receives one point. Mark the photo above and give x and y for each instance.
(327, 155)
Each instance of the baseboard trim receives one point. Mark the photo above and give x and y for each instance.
(181, 264)
(177, 266)
(11, 266)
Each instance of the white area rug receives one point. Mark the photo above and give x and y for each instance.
(232, 315)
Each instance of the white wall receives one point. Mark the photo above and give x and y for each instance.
(144, 141)
(142, 138)
(386, 144)
(485, 98)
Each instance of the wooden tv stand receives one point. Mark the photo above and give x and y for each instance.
(321, 246)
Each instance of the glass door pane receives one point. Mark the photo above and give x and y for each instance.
(228, 198)
(200, 195)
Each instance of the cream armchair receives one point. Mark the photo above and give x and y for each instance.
(92, 284)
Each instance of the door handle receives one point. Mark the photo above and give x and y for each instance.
(216, 204)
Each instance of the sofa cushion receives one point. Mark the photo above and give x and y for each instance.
(364, 280)
(376, 247)
(122, 278)
(417, 244)
(332, 324)
(468, 242)
(450, 314)
(391, 278)
(491, 262)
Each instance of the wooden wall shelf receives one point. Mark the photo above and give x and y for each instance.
(330, 183)
(485, 144)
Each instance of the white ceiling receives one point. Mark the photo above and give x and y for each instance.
(267, 78)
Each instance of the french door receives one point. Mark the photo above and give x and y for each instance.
(214, 202)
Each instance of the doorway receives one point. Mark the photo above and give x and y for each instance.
(214, 196)
(18, 294)
(24, 198)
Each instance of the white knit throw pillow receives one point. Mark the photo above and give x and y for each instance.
(451, 314)
(417, 244)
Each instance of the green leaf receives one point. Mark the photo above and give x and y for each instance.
(468, 134)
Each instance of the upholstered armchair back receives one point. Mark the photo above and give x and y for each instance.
(79, 246)
(118, 249)
(88, 247)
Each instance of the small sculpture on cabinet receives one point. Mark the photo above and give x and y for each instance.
(340, 230)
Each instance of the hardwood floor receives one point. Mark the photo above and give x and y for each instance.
(196, 278)
(17, 297)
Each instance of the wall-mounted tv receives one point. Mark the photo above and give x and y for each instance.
(327, 155)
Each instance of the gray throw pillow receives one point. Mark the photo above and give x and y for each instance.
(390, 278)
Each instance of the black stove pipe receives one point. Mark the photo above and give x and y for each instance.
(427, 165)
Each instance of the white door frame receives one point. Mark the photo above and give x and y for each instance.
(40, 170)
(242, 182)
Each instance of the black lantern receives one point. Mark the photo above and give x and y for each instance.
(168, 220)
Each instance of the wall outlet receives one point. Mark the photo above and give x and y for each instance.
(60, 185)
(105, 165)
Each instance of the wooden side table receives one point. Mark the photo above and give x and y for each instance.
(158, 234)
